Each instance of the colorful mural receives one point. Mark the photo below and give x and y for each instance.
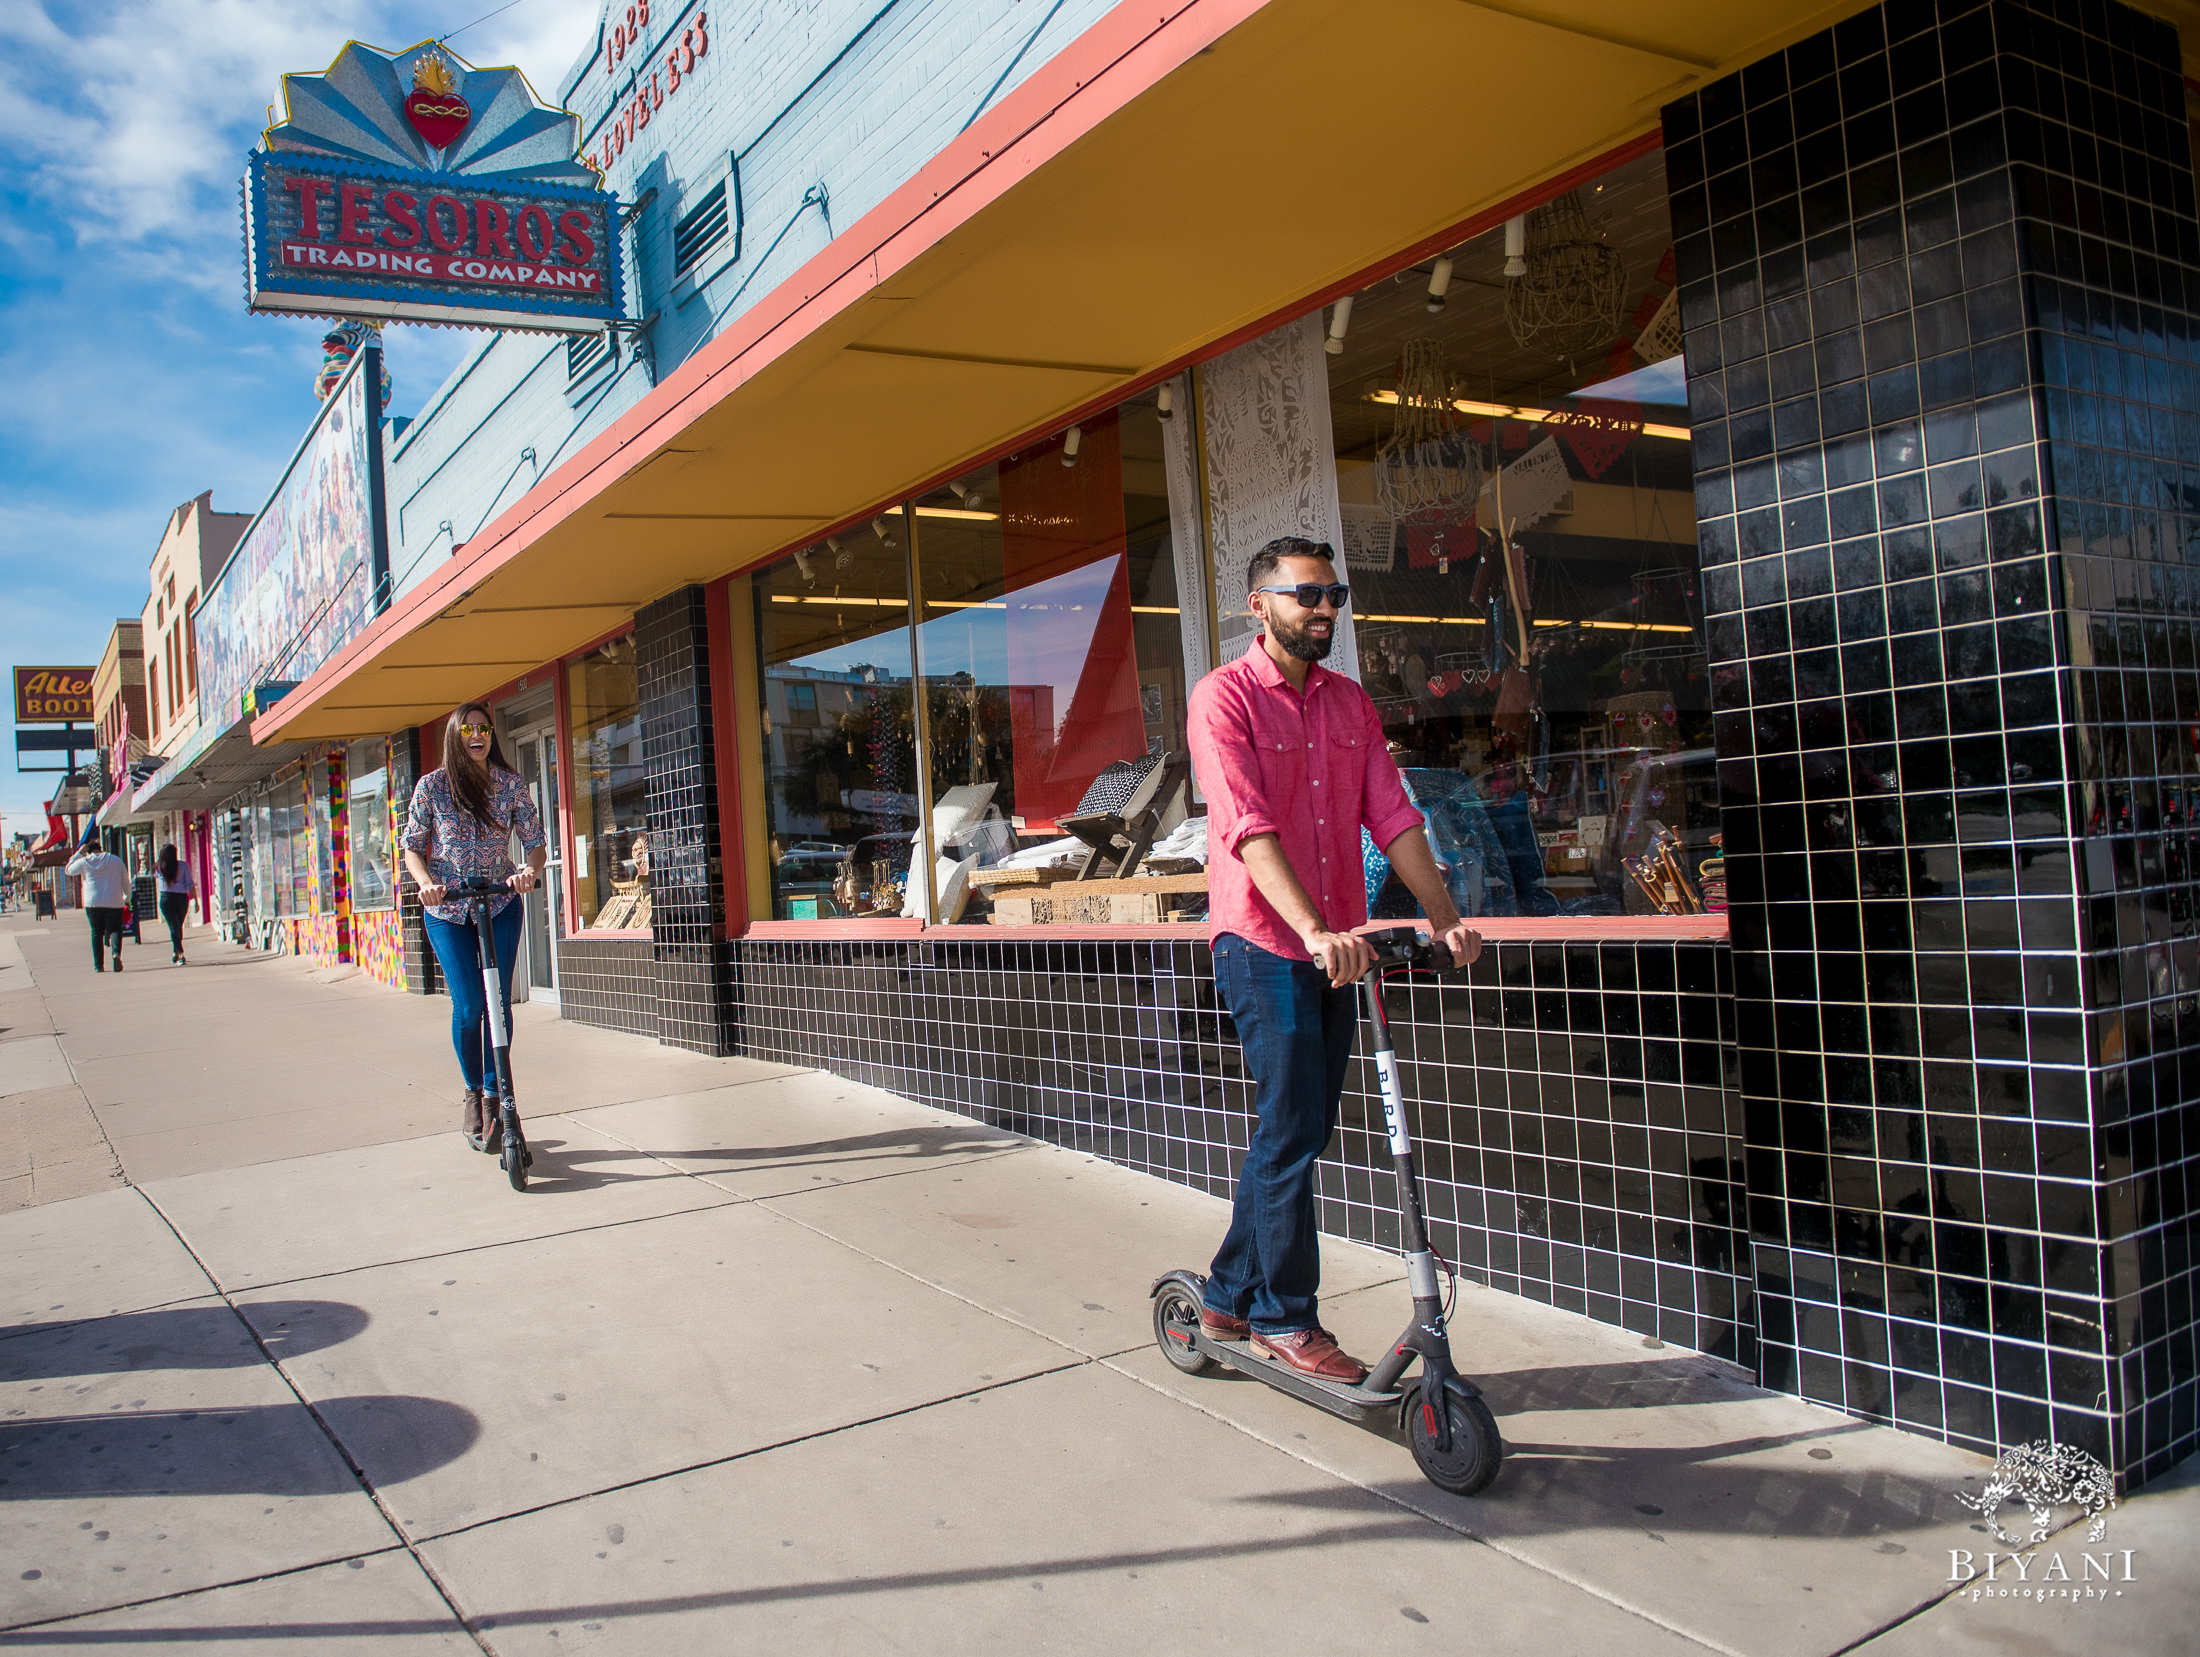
(301, 582)
(317, 939)
(378, 945)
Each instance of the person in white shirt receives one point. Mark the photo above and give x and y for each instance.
(106, 898)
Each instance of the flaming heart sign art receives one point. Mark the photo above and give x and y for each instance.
(414, 186)
(434, 106)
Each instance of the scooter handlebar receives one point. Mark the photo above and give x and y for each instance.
(461, 891)
(1404, 946)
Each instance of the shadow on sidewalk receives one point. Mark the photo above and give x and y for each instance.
(560, 1166)
(258, 1450)
(173, 1337)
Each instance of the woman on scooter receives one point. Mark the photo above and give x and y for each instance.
(458, 830)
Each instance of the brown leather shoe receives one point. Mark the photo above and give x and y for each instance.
(1220, 1326)
(469, 1116)
(1312, 1352)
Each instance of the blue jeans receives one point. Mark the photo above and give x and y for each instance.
(1297, 1035)
(458, 950)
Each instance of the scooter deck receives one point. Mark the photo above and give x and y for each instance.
(1353, 1403)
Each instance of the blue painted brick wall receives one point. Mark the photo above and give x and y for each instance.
(853, 96)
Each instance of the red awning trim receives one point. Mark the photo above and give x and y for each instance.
(1118, 58)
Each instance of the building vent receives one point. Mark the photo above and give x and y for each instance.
(584, 354)
(702, 229)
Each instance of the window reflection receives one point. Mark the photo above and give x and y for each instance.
(1520, 535)
(610, 793)
(367, 821)
(832, 630)
(1049, 644)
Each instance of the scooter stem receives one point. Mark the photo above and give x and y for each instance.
(1413, 1233)
(1426, 1337)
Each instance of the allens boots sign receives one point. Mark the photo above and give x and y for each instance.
(415, 188)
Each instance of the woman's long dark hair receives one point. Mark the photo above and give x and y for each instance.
(168, 862)
(472, 783)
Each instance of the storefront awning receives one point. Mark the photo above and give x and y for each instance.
(215, 763)
(1178, 176)
(119, 809)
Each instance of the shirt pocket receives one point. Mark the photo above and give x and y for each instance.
(1347, 774)
(1280, 757)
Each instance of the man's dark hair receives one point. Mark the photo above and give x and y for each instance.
(1269, 559)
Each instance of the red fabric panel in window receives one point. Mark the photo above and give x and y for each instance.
(1056, 522)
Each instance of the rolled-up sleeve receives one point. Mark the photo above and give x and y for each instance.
(1386, 811)
(420, 819)
(1221, 737)
(526, 817)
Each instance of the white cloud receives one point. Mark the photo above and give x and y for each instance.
(135, 379)
(135, 142)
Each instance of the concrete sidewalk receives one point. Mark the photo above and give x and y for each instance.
(767, 1359)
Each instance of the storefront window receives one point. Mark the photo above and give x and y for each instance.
(367, 809)
(1514, 489)
(610, 797)
(287, 807)
(839, 733)
(260, 858)
(301, 845)
(1050, 643)
(324, 842)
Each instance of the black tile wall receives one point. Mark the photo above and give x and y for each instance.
(1938, 269)
(687, 901)
(1579, 1132)
(608, 982)
(422, 975)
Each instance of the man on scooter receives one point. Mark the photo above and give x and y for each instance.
(1293, 763)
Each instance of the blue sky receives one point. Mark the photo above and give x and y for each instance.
(134, 378)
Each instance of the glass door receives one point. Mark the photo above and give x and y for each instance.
(535, 753)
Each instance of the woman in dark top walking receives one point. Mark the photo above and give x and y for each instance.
(176, 891)
(459, 830)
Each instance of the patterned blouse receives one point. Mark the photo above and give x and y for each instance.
(458, 848)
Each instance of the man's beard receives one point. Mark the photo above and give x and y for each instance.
(1299, 643)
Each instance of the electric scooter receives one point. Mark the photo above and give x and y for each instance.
(512, 1153)
(1454, 1436)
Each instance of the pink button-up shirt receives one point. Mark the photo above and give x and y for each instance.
(1310, 769)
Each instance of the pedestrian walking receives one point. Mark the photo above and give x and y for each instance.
(459, 831)
(176, 891)
(106, 898)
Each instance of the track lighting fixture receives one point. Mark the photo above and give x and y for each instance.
(842, 557)
(1340, 318)
(802, 563)
(1439, 280)
(883, 527)
(1164, 399)
(1516, 246)
(972, 499)
(1070, 439)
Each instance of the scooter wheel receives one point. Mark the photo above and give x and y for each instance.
(1476, 1449)
(1176, 1329)
(515, 1160)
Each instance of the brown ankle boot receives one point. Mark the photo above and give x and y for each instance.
(470, 1117)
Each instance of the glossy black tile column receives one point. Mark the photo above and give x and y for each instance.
(1917, 252)
(420, 964)
(1574, 1116)
(687, 899)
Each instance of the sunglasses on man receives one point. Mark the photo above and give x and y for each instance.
(1311, 593)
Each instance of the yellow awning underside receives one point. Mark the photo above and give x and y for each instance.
(1161, 186)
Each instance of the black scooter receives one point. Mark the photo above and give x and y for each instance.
(511, 1147)
(1454, 1436)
